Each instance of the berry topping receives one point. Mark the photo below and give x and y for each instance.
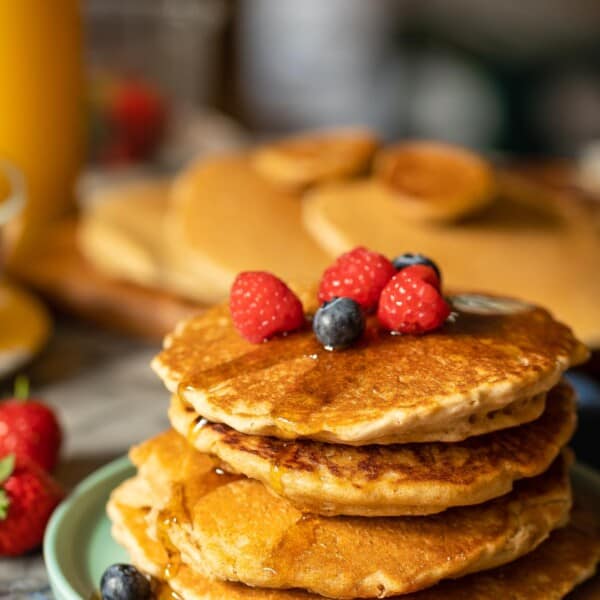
(262, 305)
(338, 323)
(29, 428)
(359, 274)
(28, 495)
(422, 272)
(411, 305)
(408, 259)
(124, 582)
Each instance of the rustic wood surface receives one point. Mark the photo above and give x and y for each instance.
(60, 274)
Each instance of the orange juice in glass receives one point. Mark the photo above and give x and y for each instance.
(41, 109)
(24, 322)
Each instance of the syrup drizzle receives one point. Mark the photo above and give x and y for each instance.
(322, 389)
(165, 520)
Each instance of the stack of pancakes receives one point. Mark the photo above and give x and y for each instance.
(429, 467)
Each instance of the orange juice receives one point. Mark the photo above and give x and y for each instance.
(41, 108)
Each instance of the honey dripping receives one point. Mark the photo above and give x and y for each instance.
(180, 393)
(173, 563)
(170, 515)
(223, 471)
(279, 467)
(298, 541)
(162, 591)
(275, 475)
(194, 428)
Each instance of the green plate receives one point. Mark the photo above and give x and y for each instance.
(78, 545)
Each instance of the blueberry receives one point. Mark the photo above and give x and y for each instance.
(124, 582)
(407, 259)
(338, 323)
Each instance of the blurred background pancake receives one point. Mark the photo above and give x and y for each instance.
(304, 160)
(532, 247)
(226, 218)
(226, 214)
(435, 182)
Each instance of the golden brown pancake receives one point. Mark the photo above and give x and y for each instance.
(409, 479)
(213, 521)
(435, 181)
(302, 160)
(385, 388)
(224, 217)
(525, 244)
(566, 558)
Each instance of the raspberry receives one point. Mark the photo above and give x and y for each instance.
(359, 274)
(423, 272)
(410, 258)
(411, 305)
(262, 305)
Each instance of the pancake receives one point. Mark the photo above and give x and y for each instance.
(410, 479)
(435, 181)
(122, 234)
(526, 243)
(302, 160)
(118, 230)
(566, 558)
(212, 520)
(385, 388)
(224, 217)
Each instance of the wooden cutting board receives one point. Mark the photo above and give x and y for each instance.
(62, 276)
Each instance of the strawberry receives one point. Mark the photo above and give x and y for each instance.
(28, 495)
(262, 305)
(138, 113)
(411, 304)
(359, 274)
(29, 429)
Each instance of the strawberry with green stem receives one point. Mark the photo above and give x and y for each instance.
(29, 428)
(28, 496)
(7, 466)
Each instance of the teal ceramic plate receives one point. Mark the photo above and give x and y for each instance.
(78, 545)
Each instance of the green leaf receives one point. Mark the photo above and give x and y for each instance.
(21, 389)
(4, 503)
(7, 466)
